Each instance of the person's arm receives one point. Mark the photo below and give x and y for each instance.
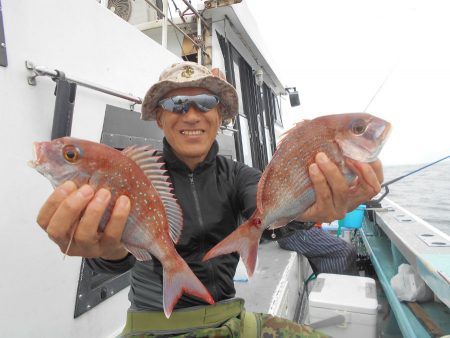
(79, 210)
(247, 179)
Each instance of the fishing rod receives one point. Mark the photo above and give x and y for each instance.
(386, 184)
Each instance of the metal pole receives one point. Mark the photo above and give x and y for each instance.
(199, 35)
(386, 184)
(186, 2)
(229, 129)
(56, 75)
(176, 27)
(413, 172)
(164, 25)
(178, 11)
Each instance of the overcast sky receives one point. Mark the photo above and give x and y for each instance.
(338, 53)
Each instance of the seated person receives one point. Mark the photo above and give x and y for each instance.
(325, 252)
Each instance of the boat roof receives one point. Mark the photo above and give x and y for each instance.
(242, 21)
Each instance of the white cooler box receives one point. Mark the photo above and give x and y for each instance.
(353, 297)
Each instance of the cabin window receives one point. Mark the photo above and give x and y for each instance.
(272, 114)
(278, 118)
(259, 110)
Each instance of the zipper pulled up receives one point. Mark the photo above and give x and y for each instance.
(200, 220)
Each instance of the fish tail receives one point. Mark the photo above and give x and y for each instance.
(244, 240)
(180, 279)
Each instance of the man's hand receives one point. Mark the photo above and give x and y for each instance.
(334, 196)
(70, 210)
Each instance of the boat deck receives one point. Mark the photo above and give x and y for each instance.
(401, 237)
(276, 284)
(394, 237)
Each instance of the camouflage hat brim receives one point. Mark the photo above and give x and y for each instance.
(226, 93)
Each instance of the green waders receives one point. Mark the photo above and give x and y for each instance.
(227, 319)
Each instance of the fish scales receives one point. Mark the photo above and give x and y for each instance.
(285, 190)
(287, 179)
(155, 221)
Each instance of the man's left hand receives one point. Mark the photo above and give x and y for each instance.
(334, 196)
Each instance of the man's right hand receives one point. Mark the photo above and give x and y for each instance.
(70, 209)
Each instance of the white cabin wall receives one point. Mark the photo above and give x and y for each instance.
(141, 12)
(174, 38)
(217, 59)
(89, 42)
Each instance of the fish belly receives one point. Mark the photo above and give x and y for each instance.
(291, 209)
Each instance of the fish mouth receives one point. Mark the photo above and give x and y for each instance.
(34, 163)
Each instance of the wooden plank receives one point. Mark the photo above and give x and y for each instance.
(431, 326)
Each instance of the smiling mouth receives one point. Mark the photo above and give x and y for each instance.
(196, 132)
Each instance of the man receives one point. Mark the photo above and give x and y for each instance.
(189, 104)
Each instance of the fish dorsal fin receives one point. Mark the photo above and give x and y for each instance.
(299, 127)
(295, 128)
(151, 165)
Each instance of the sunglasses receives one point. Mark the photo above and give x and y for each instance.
(180, 104)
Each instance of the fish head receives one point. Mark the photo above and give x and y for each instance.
(361, 136)
(65, 158)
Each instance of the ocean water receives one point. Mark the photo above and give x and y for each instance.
(425, 193)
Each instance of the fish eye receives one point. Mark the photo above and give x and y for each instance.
(71, 153)
(358, 127)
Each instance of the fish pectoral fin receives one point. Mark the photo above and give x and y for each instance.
(280, 223)
(141, 255)
(152, 166)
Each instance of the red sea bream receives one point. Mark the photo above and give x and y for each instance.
(155, 221)
(285, 190)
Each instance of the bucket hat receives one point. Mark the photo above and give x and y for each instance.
(190, 74)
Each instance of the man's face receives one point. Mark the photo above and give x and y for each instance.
(190, 134)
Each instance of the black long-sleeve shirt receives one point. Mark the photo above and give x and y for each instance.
(214, 198)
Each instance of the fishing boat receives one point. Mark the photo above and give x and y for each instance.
(81, 68)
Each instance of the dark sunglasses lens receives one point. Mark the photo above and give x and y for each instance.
(205, 102)
(174, 104)
(180, 104)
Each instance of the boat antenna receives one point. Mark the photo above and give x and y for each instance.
(386, 184)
